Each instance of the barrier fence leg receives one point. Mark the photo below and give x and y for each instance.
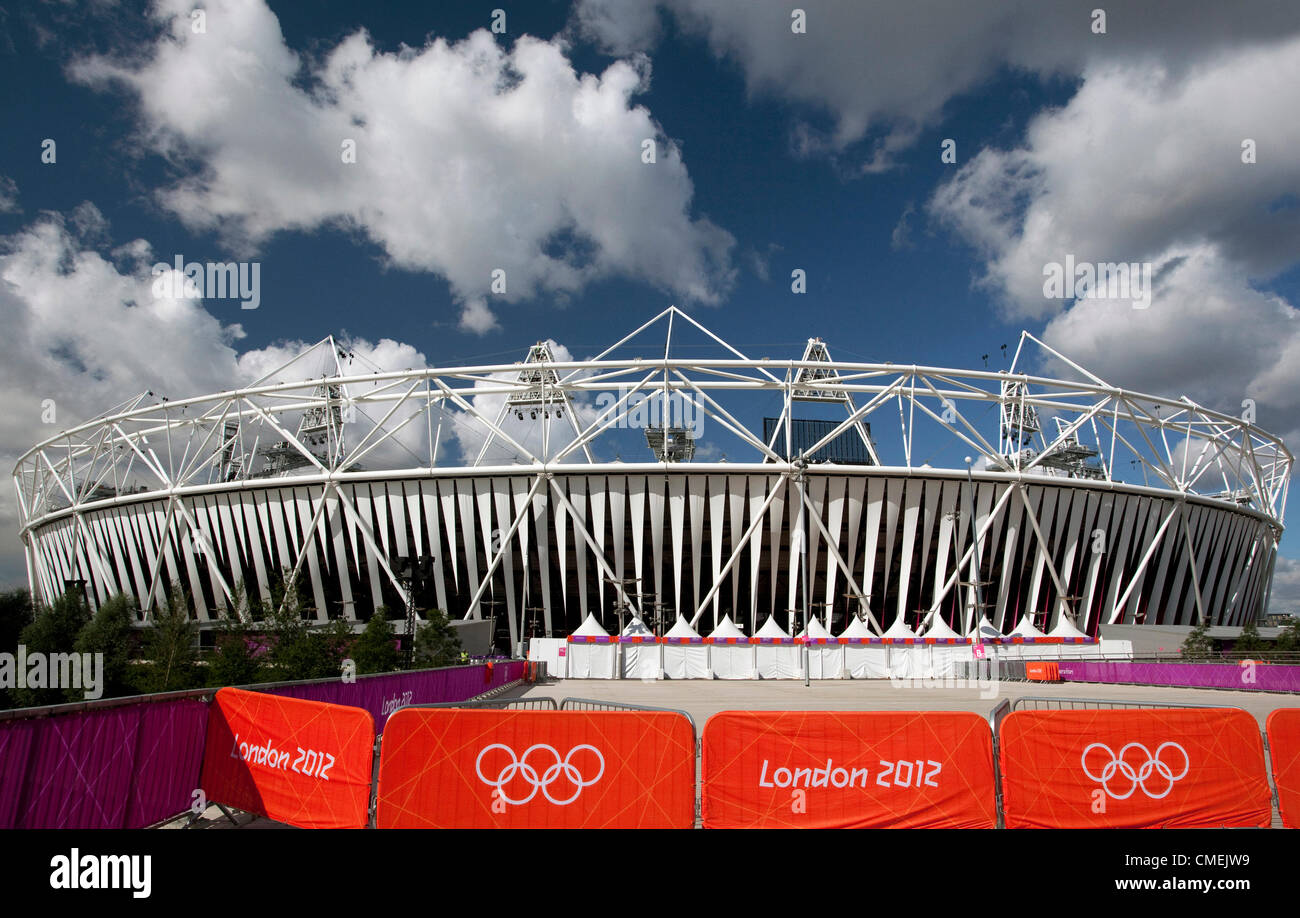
(374, 784)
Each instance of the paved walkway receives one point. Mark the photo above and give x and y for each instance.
(703, 698)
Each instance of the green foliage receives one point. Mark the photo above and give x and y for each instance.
(1288, 640)
(53, 630)
(15, 615)
(110, 632)
(299, 651)
(436, 641)
(236, 658)
(1250, 644)
(1198, 645)
(170, 649)
(375, 651)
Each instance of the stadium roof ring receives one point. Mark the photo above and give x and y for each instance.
(669, 474)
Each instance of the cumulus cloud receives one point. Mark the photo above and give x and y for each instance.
(84, 332)
(1175, 194)
(885, 71)
(470, 157)
(8, 195)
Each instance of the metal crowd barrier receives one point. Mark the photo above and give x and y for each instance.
(593, 704)
(1041, 703)
(515, 704)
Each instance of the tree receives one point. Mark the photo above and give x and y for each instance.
(53, 630)
(15, 615)
(375, 651)
(1250, 644)
(299, 651)
(111, 633)
(169, 648)
(1198, 645)
(1288, 639)
(436, 641)
(237, 656)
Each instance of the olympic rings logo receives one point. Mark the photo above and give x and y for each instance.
(1137, 777)
(519, 767)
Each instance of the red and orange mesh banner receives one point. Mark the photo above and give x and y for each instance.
(465, 768)
(1283, 726)
(1043, 671)
(848, 769)
(306, 763)
(1163, 767)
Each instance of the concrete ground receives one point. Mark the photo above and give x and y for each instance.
(703, 698)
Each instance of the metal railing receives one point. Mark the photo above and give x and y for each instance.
(541, 703)
(1041, 703)
(594, 704)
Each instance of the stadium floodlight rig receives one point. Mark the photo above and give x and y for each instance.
(1087, 502)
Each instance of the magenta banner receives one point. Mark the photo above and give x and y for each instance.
(119, 768)
(1258, 677)
(382, 695)
(134, 765)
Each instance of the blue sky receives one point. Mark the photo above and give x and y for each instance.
(777, 150)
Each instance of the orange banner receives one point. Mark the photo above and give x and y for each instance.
(1163, 767)
(1283, 726)
(848, 769)
(470, 769)
(1043, 671)
(306, 763)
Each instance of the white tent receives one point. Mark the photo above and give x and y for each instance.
(730, 661)
(590, 661)
(985, 631)
(864, 661)
(1066, 629)
(776, 661)
(944, 657)
(906, 661)
(1025, 628)
(640, 661)
(685, 661)
(824, 660)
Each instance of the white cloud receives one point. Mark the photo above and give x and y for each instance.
(886, 71)
(8, 196)
(469, 157)
(85, 331)
(1141, 166)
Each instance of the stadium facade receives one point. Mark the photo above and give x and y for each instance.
(669, 474)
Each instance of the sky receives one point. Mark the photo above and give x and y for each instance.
(920, 162)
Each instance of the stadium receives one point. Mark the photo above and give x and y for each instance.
(669, 476)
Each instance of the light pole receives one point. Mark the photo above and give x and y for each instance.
(974, 538)
(801, 465)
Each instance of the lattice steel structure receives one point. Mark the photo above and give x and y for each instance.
(510, 481)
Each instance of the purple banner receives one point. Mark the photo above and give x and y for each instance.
(1259, 677)
(382, 695)
(119, 768)
(134, 765)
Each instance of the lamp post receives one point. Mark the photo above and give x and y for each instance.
(974, 536)
(800, 466)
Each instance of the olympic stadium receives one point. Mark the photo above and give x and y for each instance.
(669, 475)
